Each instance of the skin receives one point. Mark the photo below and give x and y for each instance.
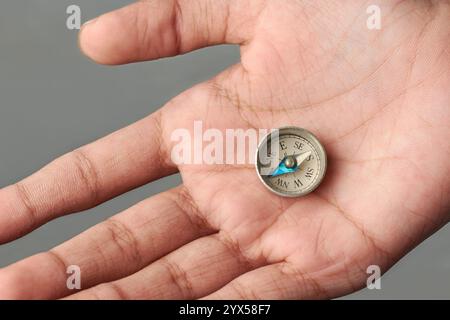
(377, 99)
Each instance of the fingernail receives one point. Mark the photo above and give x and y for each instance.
(89, 22)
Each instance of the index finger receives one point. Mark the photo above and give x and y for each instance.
(86, 177)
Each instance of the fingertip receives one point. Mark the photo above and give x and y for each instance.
(114, 37)
(94, 41)
(84, 42)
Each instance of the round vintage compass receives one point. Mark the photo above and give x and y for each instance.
(291, 162)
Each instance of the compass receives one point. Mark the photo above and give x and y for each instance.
(291, 161)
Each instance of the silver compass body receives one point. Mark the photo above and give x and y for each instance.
(291, 161)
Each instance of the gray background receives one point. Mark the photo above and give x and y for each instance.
(53, 100)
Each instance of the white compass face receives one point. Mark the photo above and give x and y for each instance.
(291, 162)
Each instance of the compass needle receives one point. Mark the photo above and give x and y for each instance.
(302, 157)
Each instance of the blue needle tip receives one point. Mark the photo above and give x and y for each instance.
(282, 169)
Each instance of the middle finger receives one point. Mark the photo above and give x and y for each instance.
(110, 250)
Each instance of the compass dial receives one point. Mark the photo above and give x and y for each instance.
(291, 162)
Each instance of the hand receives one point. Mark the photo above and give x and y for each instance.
(377, 99)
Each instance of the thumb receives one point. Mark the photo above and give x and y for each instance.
(152, 29)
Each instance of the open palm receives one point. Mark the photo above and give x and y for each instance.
(377, 99)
